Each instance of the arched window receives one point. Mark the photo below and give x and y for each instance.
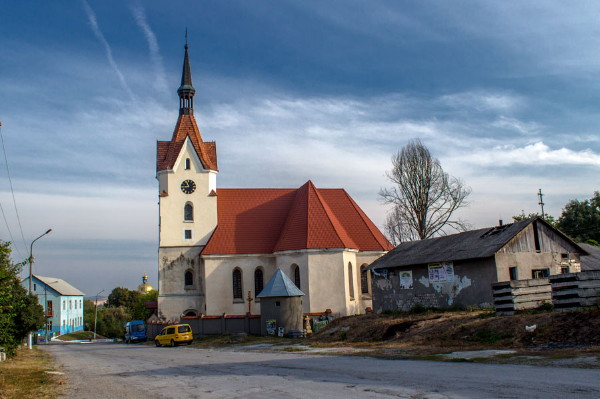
(189, 277)
(188, 212)
(190, 313)
(237, 284)
(296, 270)
(350, 281)
(364, 280)
(187, 163)
(258, 281)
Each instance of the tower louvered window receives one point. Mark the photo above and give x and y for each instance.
(188, 212)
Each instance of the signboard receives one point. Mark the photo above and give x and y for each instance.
(271, 326)
(441, 272)
(406, 280)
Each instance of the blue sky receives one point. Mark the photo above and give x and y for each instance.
(505, 94)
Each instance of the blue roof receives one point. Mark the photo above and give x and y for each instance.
(280, 285)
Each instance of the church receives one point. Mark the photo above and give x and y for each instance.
(219, 246)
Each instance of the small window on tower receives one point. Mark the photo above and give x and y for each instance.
(188, 212)
(187, 234)
(187, 164)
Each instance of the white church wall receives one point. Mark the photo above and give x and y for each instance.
(219, 282)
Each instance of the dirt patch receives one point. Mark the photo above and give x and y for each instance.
(467, 330)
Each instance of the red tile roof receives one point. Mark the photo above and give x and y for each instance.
(168, 151)
(259, 221)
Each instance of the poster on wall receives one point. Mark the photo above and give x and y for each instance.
(271, 326)
(406, 280)
(441, 272)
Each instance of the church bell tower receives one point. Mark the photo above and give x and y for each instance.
(186, 169)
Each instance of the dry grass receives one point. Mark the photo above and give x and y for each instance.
(24, 376)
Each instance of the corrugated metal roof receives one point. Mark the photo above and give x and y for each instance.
(473, 244)
(280, 285)
(592, 260)
(59, 285)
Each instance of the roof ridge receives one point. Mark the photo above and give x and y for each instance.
(337, 226)
(386, 245)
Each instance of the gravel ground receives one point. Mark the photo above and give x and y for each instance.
(143, 371)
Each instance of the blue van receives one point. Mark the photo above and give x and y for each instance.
(135, 331)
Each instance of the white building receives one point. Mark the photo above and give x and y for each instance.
(63, 304)
(218, 246)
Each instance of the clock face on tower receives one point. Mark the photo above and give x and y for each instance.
(188, 186)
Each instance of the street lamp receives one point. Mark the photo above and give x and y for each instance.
(96, 315)
(30, 336)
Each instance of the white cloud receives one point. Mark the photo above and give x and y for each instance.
(140, 18)
(533, 154)
(100, 36)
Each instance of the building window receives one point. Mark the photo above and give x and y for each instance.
(49, 327)
(34, 286)
(296, 270)
(188, 212)
(564, 269)
(189, 278)
(350, 281)
(190, 313)
(237, 284)
(64, 305)
(187, 234)
(514, 274)
(187, 164)
(540, 273)
(258, 281)
(70, 304)
(364, 280)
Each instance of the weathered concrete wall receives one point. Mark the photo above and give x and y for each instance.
(287, 311)
(175, 298)
(471, 286)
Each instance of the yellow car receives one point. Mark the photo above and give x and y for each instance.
(175, 335)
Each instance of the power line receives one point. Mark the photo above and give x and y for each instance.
(13, 197)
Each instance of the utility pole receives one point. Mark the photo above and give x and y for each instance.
(96, 314)
(541, 203)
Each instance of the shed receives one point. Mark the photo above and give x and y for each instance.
(458, 269)
(281, 301)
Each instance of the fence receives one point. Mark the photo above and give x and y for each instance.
(575, 290)
(510, 296)
(212, 325)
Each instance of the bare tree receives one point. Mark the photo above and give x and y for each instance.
(424, 197)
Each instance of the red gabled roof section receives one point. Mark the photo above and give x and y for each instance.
(311, 224)
(168, 151)
(355, 221)
(249, 220)
(259, 221)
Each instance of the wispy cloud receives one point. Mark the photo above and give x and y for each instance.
(533, 154)
(100, 36)
(140, 18)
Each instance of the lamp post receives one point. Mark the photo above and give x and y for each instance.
(46, 308)
(96, 315)
(30, 336)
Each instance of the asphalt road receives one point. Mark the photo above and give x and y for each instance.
(143, 371)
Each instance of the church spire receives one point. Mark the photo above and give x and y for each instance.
(186, 91)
